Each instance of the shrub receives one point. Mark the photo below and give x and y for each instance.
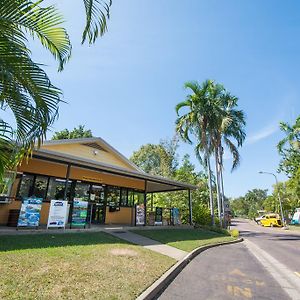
(201, 215)
(234, 233)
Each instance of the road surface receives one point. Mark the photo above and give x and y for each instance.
(265, 266)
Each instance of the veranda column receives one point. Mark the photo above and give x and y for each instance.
(190, 208)
(145, 203)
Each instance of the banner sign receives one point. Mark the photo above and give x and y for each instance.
(140, 215)
(30, 212)
(57, 213)
(158, 216)
(79, 213)
(175, 216)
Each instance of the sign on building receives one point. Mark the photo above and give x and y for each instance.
(140, 214)
(79, 212)
(57, 214)
(30, 212)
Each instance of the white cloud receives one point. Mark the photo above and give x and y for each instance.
(262, 134)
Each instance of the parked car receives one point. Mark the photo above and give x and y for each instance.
(270, 220)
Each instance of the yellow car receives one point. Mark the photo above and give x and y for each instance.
(270, 220)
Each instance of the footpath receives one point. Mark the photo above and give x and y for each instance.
(149, 244)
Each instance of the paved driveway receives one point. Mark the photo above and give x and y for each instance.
(240, 271)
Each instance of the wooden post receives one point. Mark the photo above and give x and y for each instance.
(145, 203)
(190, 208)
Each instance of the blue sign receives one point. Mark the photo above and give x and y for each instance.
(30, 212)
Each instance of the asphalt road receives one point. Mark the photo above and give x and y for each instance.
(283, 245)
(239, 271)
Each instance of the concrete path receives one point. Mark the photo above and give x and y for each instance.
(148, 243)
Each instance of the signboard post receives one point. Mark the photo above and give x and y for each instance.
(57, 214)
(30, 212)
(140, 214)
(79, 212)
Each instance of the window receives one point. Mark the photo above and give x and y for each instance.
(56, 189)
(113, 196)
(82, 190)
(130, 198)
(26, 186)
(124, 197)
(40, 187)
(138, 198)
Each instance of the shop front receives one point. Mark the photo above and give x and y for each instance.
(85, 172)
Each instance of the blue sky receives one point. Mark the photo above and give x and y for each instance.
(125, 87)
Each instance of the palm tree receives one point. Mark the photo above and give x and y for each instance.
(231, 126)
(199, 120)
(25, 89)
(292, 136)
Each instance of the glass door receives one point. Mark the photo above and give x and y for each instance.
(98, 207)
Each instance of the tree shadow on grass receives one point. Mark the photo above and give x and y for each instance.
(31, 241)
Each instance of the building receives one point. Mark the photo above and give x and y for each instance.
(89, 169)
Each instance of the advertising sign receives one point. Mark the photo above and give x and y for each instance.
(30, 212)
(175, 216)
(57, 213)
(296, 217)
(140, 214)
(79, 213)
(158, 216)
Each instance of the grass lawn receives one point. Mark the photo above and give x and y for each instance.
(76, 266)
(185, 239)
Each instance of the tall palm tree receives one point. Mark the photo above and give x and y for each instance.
(198, 121)
(231, 126)
(25, 89)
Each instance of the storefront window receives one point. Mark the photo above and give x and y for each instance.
(124, 194)
(138, 198)
(113, 196)
(26, 186)
(40, 187)
(82, 190)
(130, 201)
(56, 189)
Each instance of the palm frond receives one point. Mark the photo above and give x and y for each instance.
(97, 13)
(43, 23)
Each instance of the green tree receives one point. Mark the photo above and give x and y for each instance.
(158, 159)
(289, 148)
(231, 126)
(197, 123)
(76, 133)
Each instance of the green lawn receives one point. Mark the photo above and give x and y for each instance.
(185, 239)
(76, 266)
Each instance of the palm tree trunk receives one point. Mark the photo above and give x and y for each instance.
(211, 199)
(220, 152)
(218, 185)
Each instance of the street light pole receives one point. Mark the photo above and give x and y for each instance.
(279, 198)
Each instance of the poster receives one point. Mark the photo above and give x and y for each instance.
(79, 213)
(175, 216)
(158, 216)
(57, 213)
(140, 215)
(30, 212)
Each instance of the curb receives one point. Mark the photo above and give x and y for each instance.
(157, 288)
